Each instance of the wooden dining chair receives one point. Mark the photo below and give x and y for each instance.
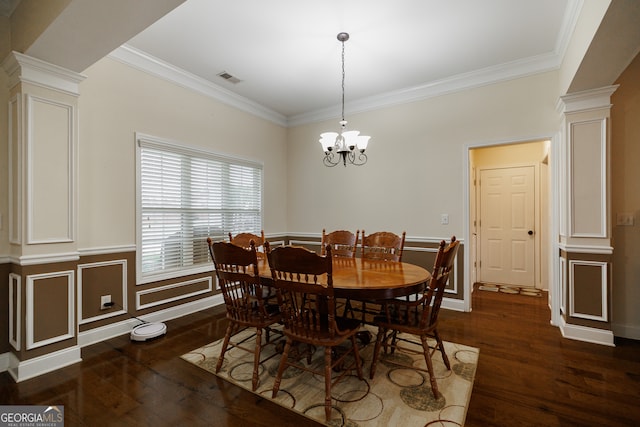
(378, 246)
(417, 318)
(239, 280)
(304, 285)
(243, 239)
(343, 243)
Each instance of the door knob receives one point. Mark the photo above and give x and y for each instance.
(530, 232)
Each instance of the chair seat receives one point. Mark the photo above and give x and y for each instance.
(403, 317)
(323, 337)
(256, 316)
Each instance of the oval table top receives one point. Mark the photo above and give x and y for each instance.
(358, 278)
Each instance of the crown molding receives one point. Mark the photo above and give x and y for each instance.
(490, 75)
(156, 67)
(512, 70)
(457, 83)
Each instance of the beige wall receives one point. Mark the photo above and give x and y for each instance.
(625, 175)
(5, 36)
(115, 102)
(29, 20)
(416, 159)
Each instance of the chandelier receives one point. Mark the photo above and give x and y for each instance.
(347, 146)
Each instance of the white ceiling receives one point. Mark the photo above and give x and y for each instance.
(287, 57)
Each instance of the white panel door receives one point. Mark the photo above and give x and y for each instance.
(507, 218)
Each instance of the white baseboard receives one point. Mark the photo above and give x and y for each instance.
(626, 331)
(103, 333)
(586, 334)
(4, 362)
(23, 370)
(453, 304)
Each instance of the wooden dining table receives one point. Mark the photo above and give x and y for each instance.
(362, 279)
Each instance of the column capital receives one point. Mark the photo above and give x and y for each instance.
(587, 100)
(24, 68)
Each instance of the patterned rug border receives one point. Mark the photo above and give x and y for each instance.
(358, 403)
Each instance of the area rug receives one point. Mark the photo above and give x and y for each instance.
(395, 397)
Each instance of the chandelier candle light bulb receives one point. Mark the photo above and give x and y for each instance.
(348, 146)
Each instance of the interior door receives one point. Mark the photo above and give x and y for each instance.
(507, 218)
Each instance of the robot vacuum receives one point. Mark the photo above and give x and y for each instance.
(147, 331)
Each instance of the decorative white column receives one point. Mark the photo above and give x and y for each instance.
(585, 232)
(43, 141)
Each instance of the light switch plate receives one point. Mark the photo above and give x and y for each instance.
(625, 219)
(444, 219)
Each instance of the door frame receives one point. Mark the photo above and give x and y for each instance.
(553, 224)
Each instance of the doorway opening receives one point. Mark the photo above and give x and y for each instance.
(509, 218)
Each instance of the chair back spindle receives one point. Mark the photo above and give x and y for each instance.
(343, 243)
(304, 286)
(382, 246)
(243, 240)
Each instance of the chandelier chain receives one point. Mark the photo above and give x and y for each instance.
(343, 74)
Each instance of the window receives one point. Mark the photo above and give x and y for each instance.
(186, 195)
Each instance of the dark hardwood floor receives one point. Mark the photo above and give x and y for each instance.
(528, 375)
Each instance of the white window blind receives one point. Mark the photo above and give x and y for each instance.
(188, 195)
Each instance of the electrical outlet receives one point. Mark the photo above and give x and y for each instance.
(444, 219)
(105, 299)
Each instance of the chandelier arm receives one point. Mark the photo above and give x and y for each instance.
(356, 158)
(330, 160)
(360, 160)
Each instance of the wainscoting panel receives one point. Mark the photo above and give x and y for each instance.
(588, 144)
(562, 280)
(588, 290)
(50, 191)
(174, 292)
(50, 313)
(15, 310)
(101, 278)
(15, 171)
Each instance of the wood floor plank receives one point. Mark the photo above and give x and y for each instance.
(528, 375)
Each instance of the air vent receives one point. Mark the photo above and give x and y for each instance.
(228, 77)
